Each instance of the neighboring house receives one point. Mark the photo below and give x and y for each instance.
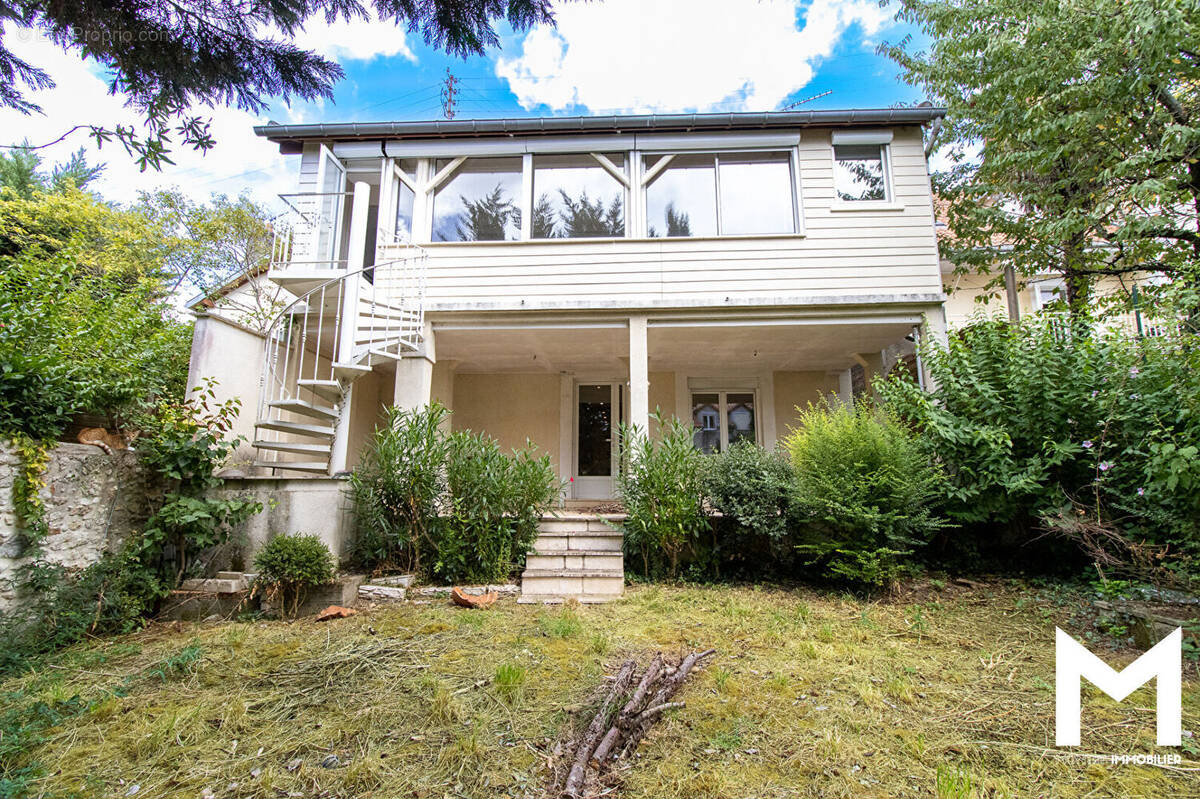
(549, 279)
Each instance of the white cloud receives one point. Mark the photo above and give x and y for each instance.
(358, 40)
(680, 55)
(240, 162)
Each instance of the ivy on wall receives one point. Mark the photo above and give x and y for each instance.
(34, 456)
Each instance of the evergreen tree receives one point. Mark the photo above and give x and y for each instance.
(169, 57)
(543, 219)
(583, 218)
(678, 223)
(488, 218)
(20, 170)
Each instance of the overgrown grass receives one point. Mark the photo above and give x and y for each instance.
(811, 695)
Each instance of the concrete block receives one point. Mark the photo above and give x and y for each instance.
(382, 593)
(609, 543)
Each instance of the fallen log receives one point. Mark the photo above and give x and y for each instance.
(596, 749)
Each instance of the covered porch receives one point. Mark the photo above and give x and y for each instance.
(566, 381)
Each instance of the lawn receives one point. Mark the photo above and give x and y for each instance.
(945, 691)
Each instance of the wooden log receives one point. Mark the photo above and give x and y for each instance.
(637, 730)
(606, 747)
(637, 701)
(591, 736)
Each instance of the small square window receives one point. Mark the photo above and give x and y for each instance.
(858, 172)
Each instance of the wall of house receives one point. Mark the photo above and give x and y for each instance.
(92, 499)
(845, 252)
(510, 408)
(797, 389)
(370, 398)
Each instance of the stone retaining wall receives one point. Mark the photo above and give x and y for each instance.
(94, 500)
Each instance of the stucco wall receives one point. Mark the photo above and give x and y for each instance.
(794, 389)
(510, 408)
(92, 501)
(316, 506)
(233, 355)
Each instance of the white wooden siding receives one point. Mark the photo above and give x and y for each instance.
(842, 253)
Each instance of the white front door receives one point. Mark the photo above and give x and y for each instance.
(599, 411)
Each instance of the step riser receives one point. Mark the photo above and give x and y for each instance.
(558, 543)
(593, 526)
(572, 586)
(577, 562)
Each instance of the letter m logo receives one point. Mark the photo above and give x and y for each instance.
(1073, 662)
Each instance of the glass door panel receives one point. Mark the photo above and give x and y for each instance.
(595, 437)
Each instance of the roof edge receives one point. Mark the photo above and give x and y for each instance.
(533, 126)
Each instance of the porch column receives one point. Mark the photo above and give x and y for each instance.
(414, 375)
(933, 331)
(356, 251)
(639, 375)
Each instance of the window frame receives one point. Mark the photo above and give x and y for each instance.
(723, 413)
(793, 160)
(888, 203)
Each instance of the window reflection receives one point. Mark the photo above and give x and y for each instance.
(706, 422)
(858, 172)
(575, 197)
(756, 193)
(480, 202)
(739, 411)
(682, 199)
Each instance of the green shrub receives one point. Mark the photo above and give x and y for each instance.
(660, 483)
(751, 487)
(1041, 423)
(288, 566)
(863, 493)
(397, 486)
(451, 505)
(491, 510)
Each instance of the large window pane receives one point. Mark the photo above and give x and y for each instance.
(403, 201)
(682, 199)
(706, 422)
(756, 193)
(739, 410)
(480, 202)
(858, 172)
(575, 198)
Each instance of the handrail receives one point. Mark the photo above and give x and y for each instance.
(303, 341)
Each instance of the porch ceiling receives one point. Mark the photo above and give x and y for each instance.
(695, 346)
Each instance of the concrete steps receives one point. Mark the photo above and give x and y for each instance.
(575, 556)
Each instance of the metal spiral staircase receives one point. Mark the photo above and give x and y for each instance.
(319, 345)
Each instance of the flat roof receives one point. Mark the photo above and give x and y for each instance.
(533, 126)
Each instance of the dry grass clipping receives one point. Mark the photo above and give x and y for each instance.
(813, 696)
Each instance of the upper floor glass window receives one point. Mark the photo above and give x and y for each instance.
(574, 196)
(707, 194)
(858, 172)
(403, 200)
(481, 201)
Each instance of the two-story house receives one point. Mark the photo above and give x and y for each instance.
(548, 279)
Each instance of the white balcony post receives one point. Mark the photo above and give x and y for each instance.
(933, 331)
(356, 250)
(414, 375)
(639, 375)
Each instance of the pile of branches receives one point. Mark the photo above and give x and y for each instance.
(628, 709)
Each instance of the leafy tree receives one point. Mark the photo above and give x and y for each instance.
(218, 247)
(488, 218)
(170, 57)
(1073, 130)
(86, 319)
(20, 171)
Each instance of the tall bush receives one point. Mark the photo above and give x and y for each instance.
(660, 483)
(751, 487)
(864, 491)
(1040, 421)
(453, 506)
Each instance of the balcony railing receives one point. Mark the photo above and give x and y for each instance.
(310, 234)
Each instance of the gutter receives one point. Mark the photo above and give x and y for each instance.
(526, 126)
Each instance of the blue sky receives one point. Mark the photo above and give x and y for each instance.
(615, 56)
